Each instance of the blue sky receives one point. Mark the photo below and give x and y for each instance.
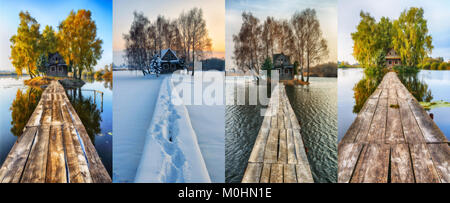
(436, 12)
(52, 12)
(280, 9)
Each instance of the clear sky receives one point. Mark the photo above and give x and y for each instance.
(281, 9)
(213, 13)
(52, 12)
(436, 12)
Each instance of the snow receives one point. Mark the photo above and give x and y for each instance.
(171, 153)
(208, 122)
(134, 101)
(159, 137)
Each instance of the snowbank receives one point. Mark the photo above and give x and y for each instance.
(171, 151)
(208, 122)
(134, 102)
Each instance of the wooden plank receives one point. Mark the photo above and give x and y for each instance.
(96, 168)
(440, 153)
(430, 130)
(56, 165)
(401, 168)
(35, 119)
(36, 166)
(303, 172)
(378, 125)
(292, 158)
(373, 164)
(348, 154)
(394, 128)
(14, 164)
(276, 173)
(411, 130)
(252, 173)
(366, 119)
(257, 154)
(424, 169)
(271, 150)
(289, 173)
(265, 174)
(282, 149)
(76, 162)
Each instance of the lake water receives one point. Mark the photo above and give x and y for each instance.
(437, 83)
(95, 114)
(315, 108)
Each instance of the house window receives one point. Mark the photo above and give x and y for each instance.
(390, 62)
(286, 71)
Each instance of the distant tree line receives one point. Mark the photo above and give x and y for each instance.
(407, 35)
(434, 64)
(187, 35)
(300, 38)
(76, 40)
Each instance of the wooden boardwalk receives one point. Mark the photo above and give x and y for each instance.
(278, 154)
(393, 139)
(54, 146)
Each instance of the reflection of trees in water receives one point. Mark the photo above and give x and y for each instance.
(87, 110)
(22, 107)
(107, 83)
(366, 86)
(419, 89)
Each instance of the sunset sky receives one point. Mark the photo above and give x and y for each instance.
(52, 12)
(213, 13)
(281, 9)
(436, 13)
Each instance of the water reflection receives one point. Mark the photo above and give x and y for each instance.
(369, 83)
(87, 110)
(22, 107)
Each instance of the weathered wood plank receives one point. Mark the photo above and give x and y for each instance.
(394, 129)
(424, 169)
(56, 165)
(252, 173)
(411, 130)
(76, 162)
(36, 166)
(348, 154)
(276, 173)
(440, 153)
(257, 154)
(290, 175)
(270, 153)
(401, 168)
(373, 164)
(292, 157)
(303, 172)
(14, 164)
(282, 149)
(265, 174)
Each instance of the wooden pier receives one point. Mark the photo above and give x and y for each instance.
(278, 154)
(54, 146)
(393, 139)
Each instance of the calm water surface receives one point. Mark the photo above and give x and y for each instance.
(18, 100)
(315, 108)
(435, 83)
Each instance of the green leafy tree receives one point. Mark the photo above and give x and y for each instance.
(41, 63)
(267, 65)
(411, 39)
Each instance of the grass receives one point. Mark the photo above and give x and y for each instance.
(37, 81)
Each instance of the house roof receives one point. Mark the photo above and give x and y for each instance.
(392, 54)
(164, 52)
(55, 59)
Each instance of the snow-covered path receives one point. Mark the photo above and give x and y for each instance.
(171, 152)
(134, 102)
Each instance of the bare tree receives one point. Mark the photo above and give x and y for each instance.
(136, 51)
(315, 45)
(298, 24)
(247, 44)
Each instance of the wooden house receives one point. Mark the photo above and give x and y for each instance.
(393, 59)
(282, 63)
(56, 65)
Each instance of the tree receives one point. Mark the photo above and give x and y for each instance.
(299, 30)
(200, 39)
(48, 41)
(78, 42)
(267, 65)
(268, 35)
(24, 45)
(247, 44)
(136, 43)
(315, 45)
(364, 40)
(411, 39)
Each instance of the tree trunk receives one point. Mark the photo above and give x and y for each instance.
(307, 66)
